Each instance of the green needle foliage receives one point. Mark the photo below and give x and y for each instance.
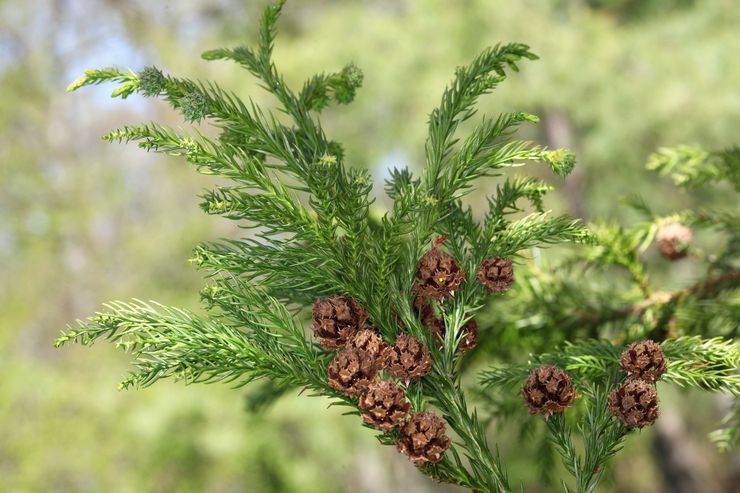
(313, 234)
(600, 298)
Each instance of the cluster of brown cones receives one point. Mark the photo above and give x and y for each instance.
(439, 275)
(438, 278)
(340, 323)
(635, 402)
(549, 390)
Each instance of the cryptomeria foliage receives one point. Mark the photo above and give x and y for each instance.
(313, 237)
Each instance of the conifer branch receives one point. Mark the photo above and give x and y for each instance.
(709, 364)
(602, 439)
(389, 291)
(471, 82)
(173, 343)
(692, 167)
(700, 290)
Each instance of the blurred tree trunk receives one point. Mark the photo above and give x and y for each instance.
(559, 133)
(681, 464)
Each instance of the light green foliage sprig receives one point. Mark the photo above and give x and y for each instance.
(602, 439)
(693, 166)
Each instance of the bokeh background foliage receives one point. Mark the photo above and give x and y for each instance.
(83, 222)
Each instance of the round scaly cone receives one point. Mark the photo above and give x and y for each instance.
(336, 319)
(352, 371)
(496, 274)
(423, 438)
(635, 403)
(369, 341)
(644, 360)
(439, 275)
(408, 359)
(548, 390)
(384, 406)
(673, 241)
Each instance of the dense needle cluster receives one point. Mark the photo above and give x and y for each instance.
(436, 325)
(549, 390)
(339, 322)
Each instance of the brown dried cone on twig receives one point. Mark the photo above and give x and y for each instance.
(496, 274)
(422, 438)
(384, 405)
(635, 403)
(644, 360)
(336, 319)
(408, 359)
(673, 241)
(352, 371)
(439, 275)
(548, 390)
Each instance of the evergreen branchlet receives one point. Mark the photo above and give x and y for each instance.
(317, 246)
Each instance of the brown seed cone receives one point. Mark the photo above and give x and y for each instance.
(422, 438)
(496, 274)
(635, 403)
(644, 360)
(352, 371)
(408, 359)
(673, 241)
(336, 319)
(470, 329)
(548, 390)
(439, 275)
(369, 341)
(384, 405)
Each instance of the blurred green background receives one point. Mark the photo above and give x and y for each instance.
(83, 222)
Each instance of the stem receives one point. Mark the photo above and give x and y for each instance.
(602, 438)
(486, 468)
(702, 290)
